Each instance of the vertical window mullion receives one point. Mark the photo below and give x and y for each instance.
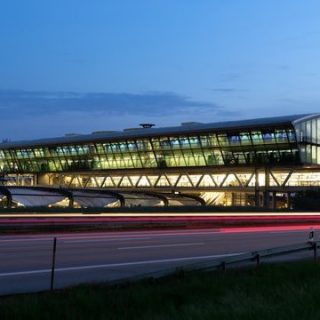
(138, 152)
(155, 154)
(130, 153)
(202, 151)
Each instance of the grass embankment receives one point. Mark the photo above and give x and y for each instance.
(284, 291)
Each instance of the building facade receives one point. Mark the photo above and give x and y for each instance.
(260, 162)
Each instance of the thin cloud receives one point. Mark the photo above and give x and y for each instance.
(115, 103)
(44, 114)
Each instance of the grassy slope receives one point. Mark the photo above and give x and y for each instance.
(285, 291)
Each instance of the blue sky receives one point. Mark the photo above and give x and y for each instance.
(80, 66)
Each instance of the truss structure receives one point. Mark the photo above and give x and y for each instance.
(283, 179)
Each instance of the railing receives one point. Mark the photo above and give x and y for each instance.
(257, 256)
(221, 264)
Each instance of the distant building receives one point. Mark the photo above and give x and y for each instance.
(258, 162)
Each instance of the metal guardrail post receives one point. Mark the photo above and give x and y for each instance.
(53, 262)
(311, 235)
(315, 253)
(258, 258)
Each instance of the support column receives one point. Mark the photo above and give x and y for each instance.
(71, 202)
(274, 200)
(266, 194)
(232, 199)
(289, 200)
(266, 199)
(256, 186)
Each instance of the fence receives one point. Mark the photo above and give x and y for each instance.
(255, 257)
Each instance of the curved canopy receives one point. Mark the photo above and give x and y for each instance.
(90, 199)
(30, 197)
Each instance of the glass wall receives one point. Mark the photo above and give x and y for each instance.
(308, 135)
(247, 147)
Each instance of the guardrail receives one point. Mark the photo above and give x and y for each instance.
(257, 256)
(222, 263)
(42, 277)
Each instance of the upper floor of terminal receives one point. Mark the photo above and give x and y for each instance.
(286, 140)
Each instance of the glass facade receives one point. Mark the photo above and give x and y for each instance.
(247, 162)
(258, 146)
(308, 135)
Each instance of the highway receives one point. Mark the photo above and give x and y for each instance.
(25, 260)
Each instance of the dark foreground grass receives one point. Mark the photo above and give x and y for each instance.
(284, 291)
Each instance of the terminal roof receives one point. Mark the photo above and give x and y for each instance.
(191, 128)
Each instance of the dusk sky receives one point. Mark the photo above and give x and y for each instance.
(81, 66)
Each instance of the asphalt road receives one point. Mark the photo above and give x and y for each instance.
(25, 261)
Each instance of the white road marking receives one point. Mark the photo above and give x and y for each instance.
(185, 233)
(164, 246)
(25, 240)
(66, 240)
(150, 236)
(111, 265)
(103, 240)
(285, 232)
(79, 237)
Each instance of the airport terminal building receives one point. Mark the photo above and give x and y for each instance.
(257, 162)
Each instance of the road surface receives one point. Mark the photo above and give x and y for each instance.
(25, 260)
